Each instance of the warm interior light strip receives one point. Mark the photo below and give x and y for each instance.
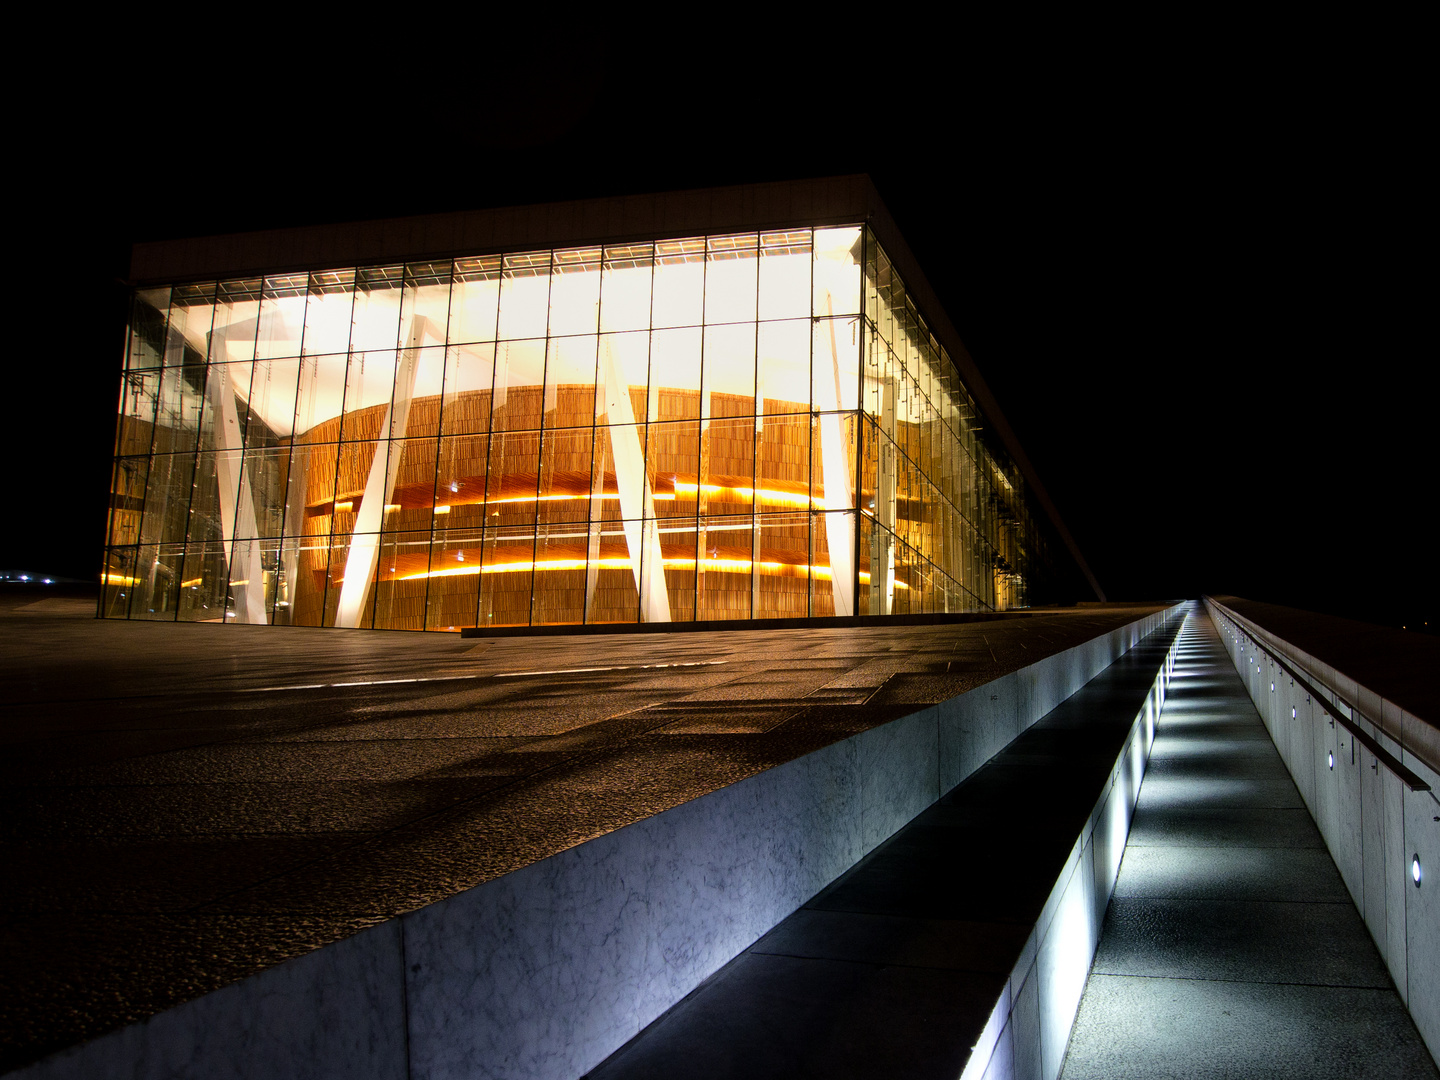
(742, 566)
(865, 580)
(765, 495)
(118, 579)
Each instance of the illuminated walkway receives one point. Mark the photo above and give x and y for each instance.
(1231, 947)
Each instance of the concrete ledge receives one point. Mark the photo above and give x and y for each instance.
(1029, 1029)
(546, 971)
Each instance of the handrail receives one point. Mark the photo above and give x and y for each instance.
(1410, 779)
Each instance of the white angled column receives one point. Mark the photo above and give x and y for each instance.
(237, 503)
(839, 486)
(379, 485)
(637, 502)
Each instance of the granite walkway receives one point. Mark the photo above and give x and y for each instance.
(1231, 947)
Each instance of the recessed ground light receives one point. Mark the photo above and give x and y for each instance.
(1415, 870)
(1331, 756)
(1292, 714)
(1272, 688)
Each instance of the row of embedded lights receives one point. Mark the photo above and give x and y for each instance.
(1415, 873)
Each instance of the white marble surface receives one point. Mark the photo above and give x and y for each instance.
(974, 727)
(898, 766)
(546, 971)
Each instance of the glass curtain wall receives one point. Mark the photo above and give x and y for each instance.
(752, 425)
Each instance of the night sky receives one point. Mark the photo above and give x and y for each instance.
(1187, 279)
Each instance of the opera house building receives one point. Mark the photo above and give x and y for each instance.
(699, 406)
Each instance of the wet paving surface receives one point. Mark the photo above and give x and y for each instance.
(182, 806)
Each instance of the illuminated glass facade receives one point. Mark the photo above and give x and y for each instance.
(741, 426)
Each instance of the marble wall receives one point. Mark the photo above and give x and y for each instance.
(546, 971)
(1373, 823)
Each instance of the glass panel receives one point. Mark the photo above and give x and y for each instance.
(679, 298)
(525, 295)
(145, 347)
(624, 361)
(678, 539)
(340, 541)
(784, 365)
(729, 375)
(570, 382)
(785, 274)
(139, 394)
(423, 418)
(727, 467)
(353, 470)
(865, 595)
(512, 479)
(425, 310)
(507, 578)
(459, 486)
(625, 292)
(369, 384)
(264, 486)
(475, 302)
(376, 315)
(192, 310)
(167, 499)
(320, 397)
(117, 582)
(401, 581)
(730, 278)
(822, 591)
(411, 505)
(329, 307)
(455, 581)
(157, 586)
(127, 500)
(833, 438)
(837, 270)
(723, 580)
(675, 374)
(282, 316)
(204, 587)
(469, 375)
(565, 476)
(237, 315)
(782, 570)
(178, 408)
(268, 415)
(559, 575)
(783, 463)
(837, 364)
(519, 385)
(672, 462)
(575, 291)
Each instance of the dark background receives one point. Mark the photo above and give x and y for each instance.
(1186, 259)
